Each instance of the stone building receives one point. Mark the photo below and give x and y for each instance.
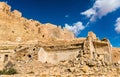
(90, 48)
(5, 57)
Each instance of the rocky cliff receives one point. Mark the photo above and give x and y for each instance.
(14, 27)
(35, 49)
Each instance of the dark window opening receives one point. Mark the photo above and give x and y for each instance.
(68, 70)
(76, 44)
(6, 55)
(6, 58)
(43, 36)
(34, 49)
(29, 56)
(98, 55)
(51, 47)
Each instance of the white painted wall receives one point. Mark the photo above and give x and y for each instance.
(54, 57)
(5, 52)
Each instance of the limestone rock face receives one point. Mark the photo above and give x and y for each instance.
(16, 13)
(92, 35)
(14, 26)
(4, 7)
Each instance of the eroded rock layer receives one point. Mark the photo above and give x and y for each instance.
(36, 49)
(14, 27)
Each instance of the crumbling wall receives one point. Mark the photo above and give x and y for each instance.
(5, 57)
(26, 53)
(97, 49)
(103, 51)
(56, 56)
(116, 55)
(4, 7)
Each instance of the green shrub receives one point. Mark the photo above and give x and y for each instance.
(9, 71)
(2, 72)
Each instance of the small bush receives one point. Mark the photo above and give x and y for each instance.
(2, 72)
(9, 71)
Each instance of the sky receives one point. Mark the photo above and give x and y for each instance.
(79, 16)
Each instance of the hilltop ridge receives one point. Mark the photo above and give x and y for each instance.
(14, 27)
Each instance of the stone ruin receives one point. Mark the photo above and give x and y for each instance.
(86, 53)
(46, 49)
(91, 48)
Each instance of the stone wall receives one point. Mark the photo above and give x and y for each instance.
(103, 50)
(116, 55)
(5, 57)
(55, 57)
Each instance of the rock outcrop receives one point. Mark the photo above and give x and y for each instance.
(15, 28)
(36, 49)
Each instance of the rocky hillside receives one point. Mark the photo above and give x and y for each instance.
(34, 49)
(14, 27)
